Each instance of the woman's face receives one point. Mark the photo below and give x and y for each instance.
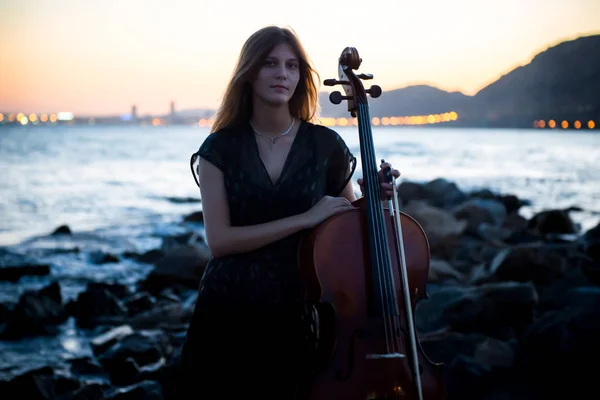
(278, 76)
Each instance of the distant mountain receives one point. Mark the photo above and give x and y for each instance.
(562, 81)
(412, 100)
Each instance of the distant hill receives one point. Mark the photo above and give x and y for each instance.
(562, 81)
(412, 100)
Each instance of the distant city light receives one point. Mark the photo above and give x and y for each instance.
(564, 124)
(64, 116)
(395, 121)
(33, 118)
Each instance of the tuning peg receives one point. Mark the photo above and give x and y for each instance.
(336, 97)
(365, 76)
(333, 82)
(374, 91)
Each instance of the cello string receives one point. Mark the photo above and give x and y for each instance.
(369, 187)
(407, 298)
(378, 231)
(389, 292)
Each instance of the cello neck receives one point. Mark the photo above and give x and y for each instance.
(384, 298)
(383, 301)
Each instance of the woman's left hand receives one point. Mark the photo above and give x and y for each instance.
(386, 188)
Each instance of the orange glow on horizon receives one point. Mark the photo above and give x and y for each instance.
(394, 121)
(375, 121)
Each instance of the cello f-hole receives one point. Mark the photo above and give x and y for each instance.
(342, 377)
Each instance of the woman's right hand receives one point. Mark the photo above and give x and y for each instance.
(325, 208)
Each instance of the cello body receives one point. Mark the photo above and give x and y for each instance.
(363, 278)
(333, 267)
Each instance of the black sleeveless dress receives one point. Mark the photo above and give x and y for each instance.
(248, 333)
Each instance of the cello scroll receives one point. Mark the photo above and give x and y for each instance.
(350, 60)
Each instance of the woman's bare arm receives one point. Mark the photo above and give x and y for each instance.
(348, 191)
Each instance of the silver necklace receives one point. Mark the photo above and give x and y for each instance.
(272, 139)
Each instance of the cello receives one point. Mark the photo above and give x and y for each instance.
(364, 272)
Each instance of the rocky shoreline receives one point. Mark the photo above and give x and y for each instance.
(513, 309)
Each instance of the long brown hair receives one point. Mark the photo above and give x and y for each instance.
(236, 106)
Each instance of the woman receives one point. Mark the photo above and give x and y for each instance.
(266, 173)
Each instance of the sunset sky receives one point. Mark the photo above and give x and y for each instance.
(98, 58)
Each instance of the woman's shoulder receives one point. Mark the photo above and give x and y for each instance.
(324, 134)
(222, 139)
(316, 127)
(218, 146)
